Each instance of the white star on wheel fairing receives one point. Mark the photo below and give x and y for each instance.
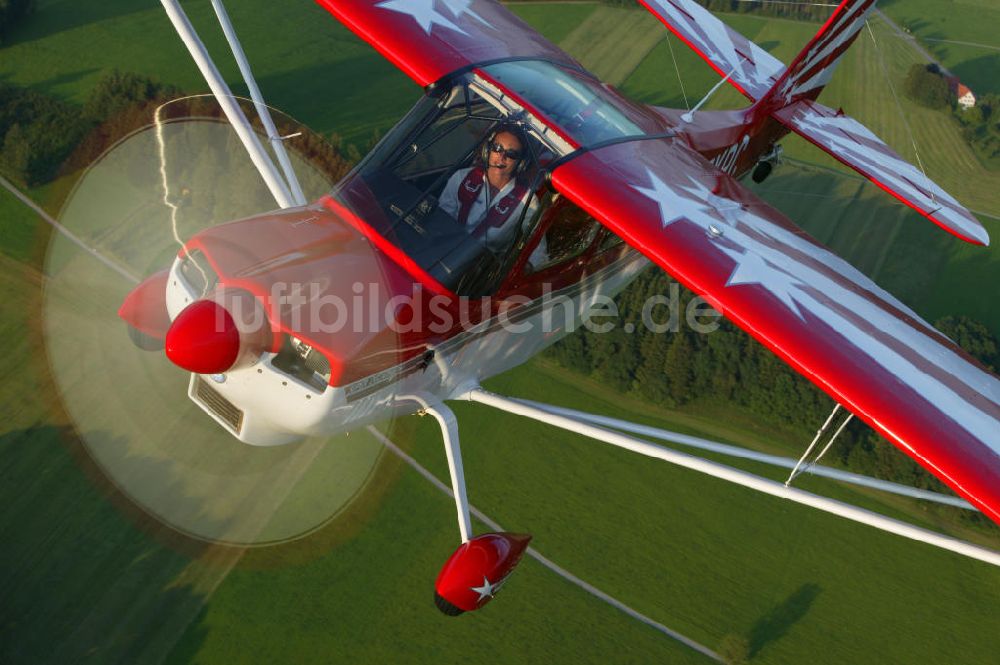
(487, 590)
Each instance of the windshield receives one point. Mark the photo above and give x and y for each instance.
(579, 105)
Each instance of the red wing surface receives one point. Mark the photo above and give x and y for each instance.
(428, 39)
(818, 313)
(753, 69)
(853, 144)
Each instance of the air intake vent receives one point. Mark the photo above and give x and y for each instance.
(219, 405)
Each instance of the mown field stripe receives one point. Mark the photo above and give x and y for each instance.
(613, 41)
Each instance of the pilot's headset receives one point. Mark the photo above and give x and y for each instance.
(510, 128)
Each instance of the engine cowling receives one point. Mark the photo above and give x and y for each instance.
(477, 570)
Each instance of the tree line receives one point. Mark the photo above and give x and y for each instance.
(37, 132)
(730, 367)
(11, 11)
(43, 137)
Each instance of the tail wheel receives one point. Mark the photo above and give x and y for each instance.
(762, 171)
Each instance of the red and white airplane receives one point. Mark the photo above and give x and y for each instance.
(602, 186)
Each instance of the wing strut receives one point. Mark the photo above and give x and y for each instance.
(689, 116)
(224, 95)
(736, 476)
(798, 466)
(744, 453)
(258, 100)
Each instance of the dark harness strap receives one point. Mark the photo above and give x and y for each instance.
(498, 213)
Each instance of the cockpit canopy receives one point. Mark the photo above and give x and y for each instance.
(442, 150)
(579, 105)
(432, 189)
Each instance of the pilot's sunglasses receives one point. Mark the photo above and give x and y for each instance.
(509, 154)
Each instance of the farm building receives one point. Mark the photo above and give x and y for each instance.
(966, 98)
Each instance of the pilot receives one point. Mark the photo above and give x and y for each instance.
(488, 198)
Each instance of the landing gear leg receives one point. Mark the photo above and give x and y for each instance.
(449, 431)
(477, 570)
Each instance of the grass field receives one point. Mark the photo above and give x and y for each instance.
(656, 80)
(612, 42)
(555, 25)
(17, 227)
(698, 555)
(87, 579)
(914, 260)
(925, 266)
(962, 34)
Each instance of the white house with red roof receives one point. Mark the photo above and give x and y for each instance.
(966, 98)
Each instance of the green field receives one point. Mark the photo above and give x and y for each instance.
(928, 269)
(556, 25)
(612, 42)
(17, 227)
(698, 555)
(88, 578)
(962, 34)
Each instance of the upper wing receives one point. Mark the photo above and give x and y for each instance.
(818, 313)
(753, 70)
(428, 39)
(853, 144)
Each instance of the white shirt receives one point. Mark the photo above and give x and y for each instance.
(496, 238)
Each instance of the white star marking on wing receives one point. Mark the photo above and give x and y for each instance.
(751, 268)
(729, 209)
(673, 205)
(487, 590)
(460, 8)
(424, 13)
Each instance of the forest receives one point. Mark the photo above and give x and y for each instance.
(43, 138)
